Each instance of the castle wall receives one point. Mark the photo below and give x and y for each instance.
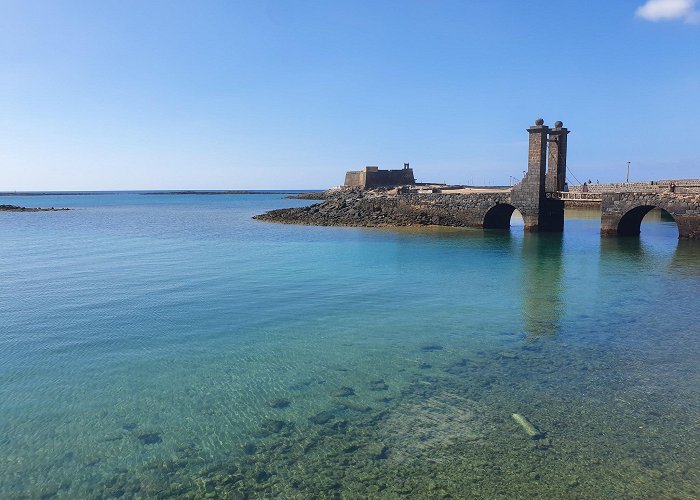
(384, 178)
(355, 178)
(372, 177)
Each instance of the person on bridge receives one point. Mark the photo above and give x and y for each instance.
(566, 187)
(672, 187)
(584, 188)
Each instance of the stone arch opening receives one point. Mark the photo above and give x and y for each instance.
(631, 223)
(498, 216)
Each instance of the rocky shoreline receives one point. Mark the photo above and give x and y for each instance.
(15, 208)
(351, 207)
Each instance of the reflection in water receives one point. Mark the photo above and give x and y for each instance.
(542, 283)
(582, 213)
(686, 258)
(629, 248)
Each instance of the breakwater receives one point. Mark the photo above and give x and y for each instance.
(383, 208)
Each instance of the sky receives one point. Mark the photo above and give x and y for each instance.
(287, 94)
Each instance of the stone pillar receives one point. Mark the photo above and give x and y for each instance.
(537, 154)
(556, 170)
(529, 192)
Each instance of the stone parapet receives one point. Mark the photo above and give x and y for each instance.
(685, 185)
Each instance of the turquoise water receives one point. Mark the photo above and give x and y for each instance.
(171, 346)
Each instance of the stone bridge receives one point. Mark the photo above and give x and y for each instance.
(622, 213)
(539, 198)
(532, 196)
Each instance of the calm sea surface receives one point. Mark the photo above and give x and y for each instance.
(162, 345)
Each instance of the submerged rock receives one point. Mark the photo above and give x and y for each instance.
(344, 392)
(378, 385)
(150, 438)
(460, 367)
(249, 449)
(280, 403)
(378, 451)
(269, 427)
(323, 417)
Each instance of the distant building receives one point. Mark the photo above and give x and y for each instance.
(372, 177)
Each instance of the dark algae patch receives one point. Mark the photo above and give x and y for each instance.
(280, 403)
(344, 392)
(150, 438)
(431, 348)
(462, 430)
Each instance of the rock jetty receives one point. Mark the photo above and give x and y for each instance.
(14, 208)
(384, 207)
(346, 207)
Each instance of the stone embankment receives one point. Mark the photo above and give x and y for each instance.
(374, 208)
(347, 207)
(14, 208)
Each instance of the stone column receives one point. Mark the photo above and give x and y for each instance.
(556, 170)
(529, 193)
(537, 155)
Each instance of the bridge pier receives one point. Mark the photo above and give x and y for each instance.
(541, 212)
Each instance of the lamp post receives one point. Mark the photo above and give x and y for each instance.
(628, 171)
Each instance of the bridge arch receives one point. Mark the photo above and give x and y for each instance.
(631, 221)
(499, 215)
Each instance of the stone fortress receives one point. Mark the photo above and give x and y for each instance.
(368, 200)
(372, 177)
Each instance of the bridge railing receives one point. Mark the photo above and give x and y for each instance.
(568, 196)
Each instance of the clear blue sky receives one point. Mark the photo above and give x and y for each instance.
(291, 94)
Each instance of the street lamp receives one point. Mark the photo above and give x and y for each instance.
(628, 171)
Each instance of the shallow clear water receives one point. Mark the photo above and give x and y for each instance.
(157, 345)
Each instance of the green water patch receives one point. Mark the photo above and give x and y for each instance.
(589, 425)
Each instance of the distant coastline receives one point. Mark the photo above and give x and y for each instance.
(14, 208)
(210, 193)
(176, 192)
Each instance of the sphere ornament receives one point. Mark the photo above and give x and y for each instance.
(539, 122)
(558, 124)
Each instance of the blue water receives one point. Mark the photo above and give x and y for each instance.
(163, 345)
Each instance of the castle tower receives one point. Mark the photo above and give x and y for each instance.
(556, 170)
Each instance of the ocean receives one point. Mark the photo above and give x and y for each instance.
(159, 345)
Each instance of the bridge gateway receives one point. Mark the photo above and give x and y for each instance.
(540, 196)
